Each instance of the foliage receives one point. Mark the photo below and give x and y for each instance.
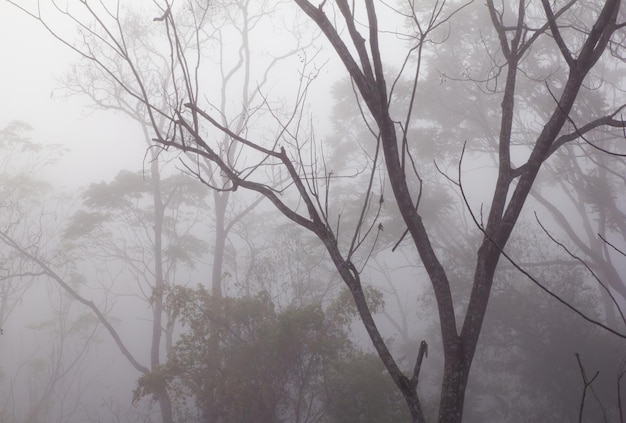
(241, 359)
(114, 212)
(362, 392)
(526, 368)
(511, 81)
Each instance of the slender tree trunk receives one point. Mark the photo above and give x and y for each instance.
(164, 401)
(220, 203)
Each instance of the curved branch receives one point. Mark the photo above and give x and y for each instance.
(318, 16)
(58, 279)
(556, 33)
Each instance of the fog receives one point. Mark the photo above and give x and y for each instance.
(286, 211)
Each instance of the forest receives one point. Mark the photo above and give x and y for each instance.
(345, 212)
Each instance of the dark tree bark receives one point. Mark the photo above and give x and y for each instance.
(352, 31)
(366, 70)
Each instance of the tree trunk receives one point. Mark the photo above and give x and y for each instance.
(165, 404)
(455, 376)
(220, 202)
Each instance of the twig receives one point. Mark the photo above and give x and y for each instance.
(586, 385)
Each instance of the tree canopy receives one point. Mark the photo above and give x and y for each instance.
(471, 148)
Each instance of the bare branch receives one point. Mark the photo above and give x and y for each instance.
(59, 280)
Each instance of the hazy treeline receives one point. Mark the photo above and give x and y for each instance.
(347, 212)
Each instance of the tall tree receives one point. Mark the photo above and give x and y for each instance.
(146, 227)
(23, 191)
(575, 34)
(43, 383)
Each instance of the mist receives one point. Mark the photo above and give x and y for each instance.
(285, 211)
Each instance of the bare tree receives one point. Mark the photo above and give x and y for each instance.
(48, 383)
(592, 194)
(577, 33)
(153, 269)
(45, 383)
(22, 190)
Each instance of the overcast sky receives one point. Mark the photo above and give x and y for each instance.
(31, 61)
